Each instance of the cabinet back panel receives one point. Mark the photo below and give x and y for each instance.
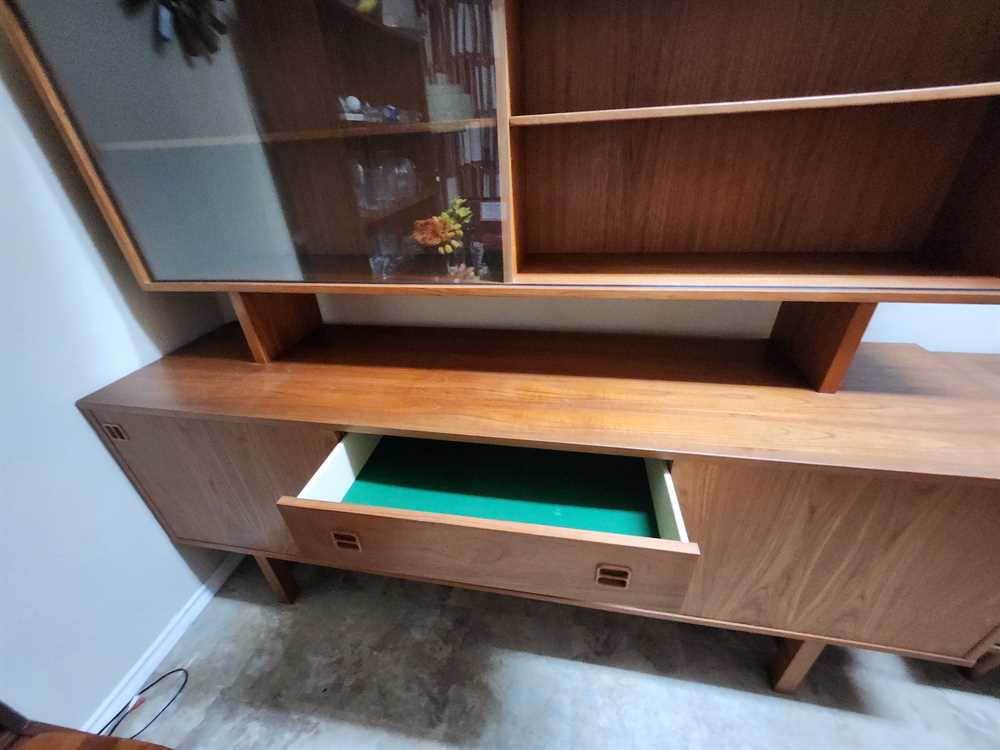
(967, 226)
(594, 54)
(865, 179)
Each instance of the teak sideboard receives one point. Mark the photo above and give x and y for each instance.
(824, 155)
(869, 518)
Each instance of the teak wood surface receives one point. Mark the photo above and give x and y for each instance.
(233, 473)
(792, 663)
(864, 179)
(864, 556)
(563, 62)
(594, 54)
(499, 554)
(901, 408)
(274, 323)
(709, 109)
(804, 552)
(278, 574)
(822, 338)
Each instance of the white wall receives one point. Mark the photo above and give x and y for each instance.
(945, 328)
(973, 328)
(88, 577)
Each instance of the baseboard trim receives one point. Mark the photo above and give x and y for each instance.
(143, 669)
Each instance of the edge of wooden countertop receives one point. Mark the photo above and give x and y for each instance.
(928, 399)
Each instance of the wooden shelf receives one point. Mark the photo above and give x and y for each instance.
(353, 270)
(908, 163)
(864, 99)
(846, 271)
(360, 130)
(901, 409)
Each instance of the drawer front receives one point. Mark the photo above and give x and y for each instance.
(568, 563)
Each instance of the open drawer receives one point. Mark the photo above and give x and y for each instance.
(571, 525)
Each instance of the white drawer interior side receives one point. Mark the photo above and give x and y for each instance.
(337, 473)
(665, 503)
(340, 470)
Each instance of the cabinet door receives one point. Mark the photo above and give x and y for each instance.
(315, 143)
(909, 563)
(217, 481)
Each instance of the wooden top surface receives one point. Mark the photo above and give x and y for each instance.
(901, 409)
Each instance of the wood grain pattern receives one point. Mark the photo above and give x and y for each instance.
(821, 338)
(864, 99)
(592, 54)
(278, 574)
(900, 408)
(967, 225)
(892, 274)
(501, 554)
(792, 662)
(774, 288)
(218, 481)
(865, 179)
(51, 98)
(624, 609)
(273, 323)
(899, 561)
(505, 35)
(965, 242)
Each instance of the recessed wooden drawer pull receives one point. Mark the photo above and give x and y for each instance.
(115, 432)
(346, 540)
(615, 576)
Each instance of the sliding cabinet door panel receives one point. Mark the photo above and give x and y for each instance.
(306, 147)
(895, 561)
(217, 481)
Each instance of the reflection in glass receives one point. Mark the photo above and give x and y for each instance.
(319, 139)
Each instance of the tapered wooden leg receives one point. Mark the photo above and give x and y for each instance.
(986, 664)
(792, 663)
(278, 574)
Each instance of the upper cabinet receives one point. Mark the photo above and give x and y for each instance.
(818, 150)
(834, 146)
(321, 140)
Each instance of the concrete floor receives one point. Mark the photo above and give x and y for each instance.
(362, 661)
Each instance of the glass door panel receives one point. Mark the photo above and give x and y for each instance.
(321, 140)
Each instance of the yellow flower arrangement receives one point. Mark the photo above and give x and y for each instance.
(446, 230)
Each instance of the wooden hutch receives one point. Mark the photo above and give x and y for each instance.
(825, 155)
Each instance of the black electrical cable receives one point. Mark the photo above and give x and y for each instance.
(119, 717)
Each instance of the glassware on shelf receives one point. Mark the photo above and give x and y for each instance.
(477, 251)
(361, 184)
(381, 266)
(384, 254)
(372, 112)
(405, 179)
(383, 183)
